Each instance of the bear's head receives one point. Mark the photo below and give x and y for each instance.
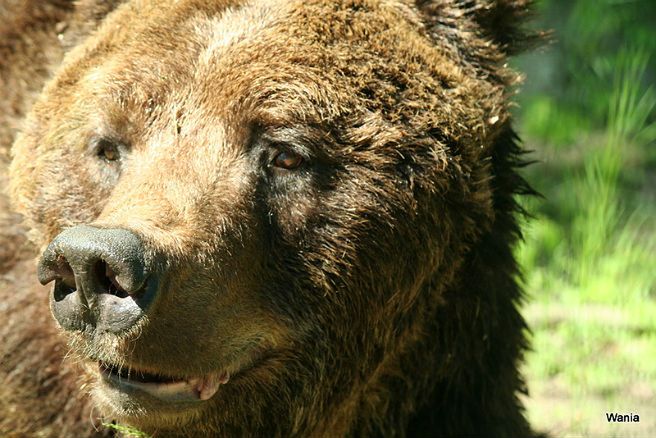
(253, 213)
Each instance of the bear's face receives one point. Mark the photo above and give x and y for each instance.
(295, 173)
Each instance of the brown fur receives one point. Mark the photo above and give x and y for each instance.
(371, 292)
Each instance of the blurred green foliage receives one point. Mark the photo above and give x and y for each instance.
(568, 88)
(588, 110)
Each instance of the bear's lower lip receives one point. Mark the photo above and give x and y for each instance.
(162, 387)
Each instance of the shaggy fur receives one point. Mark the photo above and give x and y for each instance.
(372, 291)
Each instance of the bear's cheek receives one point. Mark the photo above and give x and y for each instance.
(291, 215)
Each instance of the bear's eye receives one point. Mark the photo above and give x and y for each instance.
(108, 150)
(287, 160)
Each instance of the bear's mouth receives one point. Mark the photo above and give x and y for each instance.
(164, 387)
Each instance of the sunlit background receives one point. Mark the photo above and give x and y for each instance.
(588, 111)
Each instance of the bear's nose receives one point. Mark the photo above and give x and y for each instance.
(101, 278)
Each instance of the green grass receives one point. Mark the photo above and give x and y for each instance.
(590, 265)
(126, 431)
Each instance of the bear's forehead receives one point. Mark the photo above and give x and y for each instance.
(153, 63)
(260, 51)
(274, 47)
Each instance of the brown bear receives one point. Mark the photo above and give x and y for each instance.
(260, 218)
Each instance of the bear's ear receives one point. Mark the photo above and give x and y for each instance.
(501, 21)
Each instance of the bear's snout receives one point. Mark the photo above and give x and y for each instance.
(102, 279)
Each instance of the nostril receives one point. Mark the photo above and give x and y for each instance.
(62, 290)
(107, 278)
